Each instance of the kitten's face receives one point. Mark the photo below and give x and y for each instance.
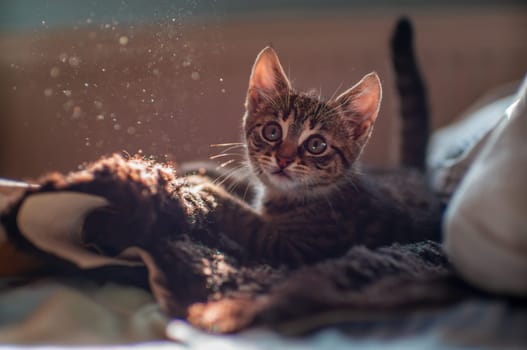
(296, 142)
(298, 145)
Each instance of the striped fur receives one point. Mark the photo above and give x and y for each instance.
(415, 117)
(311, 201)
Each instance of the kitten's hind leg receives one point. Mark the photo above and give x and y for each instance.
(413, 104)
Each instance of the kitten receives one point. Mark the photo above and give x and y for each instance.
(311, 201)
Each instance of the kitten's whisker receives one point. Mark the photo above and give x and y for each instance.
(319, 110)
(335, 92)
(276, 104)
(330, 206)
(234, 147)
(241, 164)
(229, 175)
(227, 144)
(271, 101)
(349, 179)
(224, 155)
(234, 185)
(221, 177)
(319, 93)
(335, 109)
(355, 171)
(224, 164)
(246, 189)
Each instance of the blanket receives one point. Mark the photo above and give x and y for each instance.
(145, 226)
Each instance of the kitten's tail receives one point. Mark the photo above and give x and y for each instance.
(413, 97)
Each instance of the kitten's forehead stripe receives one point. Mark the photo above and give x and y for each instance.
(286, 116)
(296, 128)
(285, 124)
(305, 134)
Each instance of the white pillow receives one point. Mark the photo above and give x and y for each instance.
(485, 225)
(453, 148)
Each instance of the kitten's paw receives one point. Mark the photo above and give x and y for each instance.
(224, 316)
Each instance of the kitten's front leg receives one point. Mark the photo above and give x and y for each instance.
(236, 181)
(262, 237)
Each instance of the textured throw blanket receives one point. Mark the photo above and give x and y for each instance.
(134, 221)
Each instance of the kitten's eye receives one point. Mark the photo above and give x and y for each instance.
(315, 144)
(272, 132)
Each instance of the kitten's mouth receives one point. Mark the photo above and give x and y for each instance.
(280, 173)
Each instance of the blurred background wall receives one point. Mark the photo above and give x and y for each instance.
(80, 79)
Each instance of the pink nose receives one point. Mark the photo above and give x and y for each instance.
(283, 162)
(286, 153)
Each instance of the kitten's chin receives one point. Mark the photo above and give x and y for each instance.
(281, 181)
(286, 184)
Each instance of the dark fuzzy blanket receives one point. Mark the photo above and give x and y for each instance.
(154, 217)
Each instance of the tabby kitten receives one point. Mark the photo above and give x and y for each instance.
(312, 203)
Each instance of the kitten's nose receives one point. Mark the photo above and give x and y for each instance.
(286, 154)
(283, 162)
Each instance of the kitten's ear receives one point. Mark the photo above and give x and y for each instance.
(268, 78)
(360, 104)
